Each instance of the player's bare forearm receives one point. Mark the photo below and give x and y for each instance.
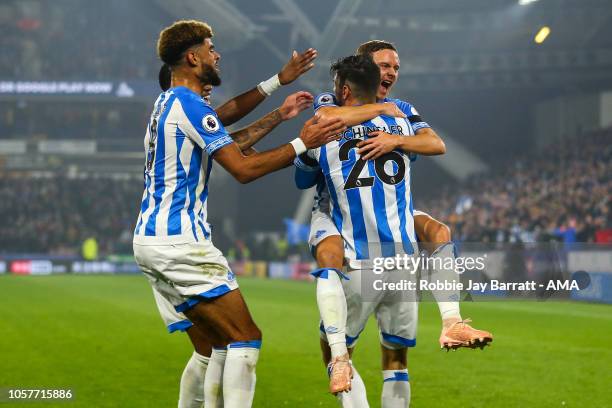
(248, 136)
(247, 168)
(351, 115)
(354, 115)
(240, 106)
(425, 142)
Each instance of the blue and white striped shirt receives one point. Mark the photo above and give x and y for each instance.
(183, 134)
(371, 202)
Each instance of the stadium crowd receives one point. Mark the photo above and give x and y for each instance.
(559, 193)
(56, 214)
(40, 40)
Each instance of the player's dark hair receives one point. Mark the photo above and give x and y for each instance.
(174, 40)
(370, 47)
(165, 77)
(360, 71)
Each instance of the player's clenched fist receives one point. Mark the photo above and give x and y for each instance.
(317, 132)
(297, 65)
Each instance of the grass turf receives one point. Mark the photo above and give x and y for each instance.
(102, 337)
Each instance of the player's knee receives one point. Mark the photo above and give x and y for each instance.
(245, 333)
(394, 359)
(441, 233)
(329, 259)
(330, 253)
(201, 342)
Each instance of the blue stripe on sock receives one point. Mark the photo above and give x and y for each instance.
(398, 376)
(323, 273)
(246, 344)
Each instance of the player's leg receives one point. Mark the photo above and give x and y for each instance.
(328, 250)
(196, 278)
(455, 332)
(191, 390)
(396, 382)
(332, 308)
(208, 382)
(434, 237)
(397, 318)
(358, 313)
(232, 322)
(356, 397)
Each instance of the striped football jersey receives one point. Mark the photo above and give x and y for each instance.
(182, 135)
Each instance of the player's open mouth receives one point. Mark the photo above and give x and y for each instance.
(386, 84)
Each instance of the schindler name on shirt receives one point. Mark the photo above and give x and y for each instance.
(361, 131)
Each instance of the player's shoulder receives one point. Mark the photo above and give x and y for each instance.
(196, 109)
(324, 99)
(189, 98)
(404, 106)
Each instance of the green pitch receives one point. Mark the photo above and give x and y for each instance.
(102, 337)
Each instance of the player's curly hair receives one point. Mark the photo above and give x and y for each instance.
(370, 47)
(179, 37)
(360, 71)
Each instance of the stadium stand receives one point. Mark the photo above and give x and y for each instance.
(561, 192)
(552, 194)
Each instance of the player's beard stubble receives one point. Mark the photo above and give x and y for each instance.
(209, 76)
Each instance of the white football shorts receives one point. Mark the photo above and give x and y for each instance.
(185, 274)
(321, 227)
(173, 320)
(396, 311)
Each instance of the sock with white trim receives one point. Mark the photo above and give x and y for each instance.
(191, 393)
(448, 300)
(396, 389)
(239, 373)
(357, 397)
(213, 382)
(332, 308)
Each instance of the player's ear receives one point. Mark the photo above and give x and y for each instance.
(191, 57)
(346, 92)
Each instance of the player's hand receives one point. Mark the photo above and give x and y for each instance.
(206, 93)
(298, 64)
(377, 144)
(294, 104)
(391, 109)
(317, 132)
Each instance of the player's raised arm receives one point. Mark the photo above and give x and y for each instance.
(245, 169)
(291, 107)
(326, 107)
(240, 106)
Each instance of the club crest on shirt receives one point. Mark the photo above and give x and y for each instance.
(325, 98)
(210, 123)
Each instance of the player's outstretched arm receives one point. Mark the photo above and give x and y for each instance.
(240, 106)
(425, 141)
(245, 169)
(291, 107)
(354, 115)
